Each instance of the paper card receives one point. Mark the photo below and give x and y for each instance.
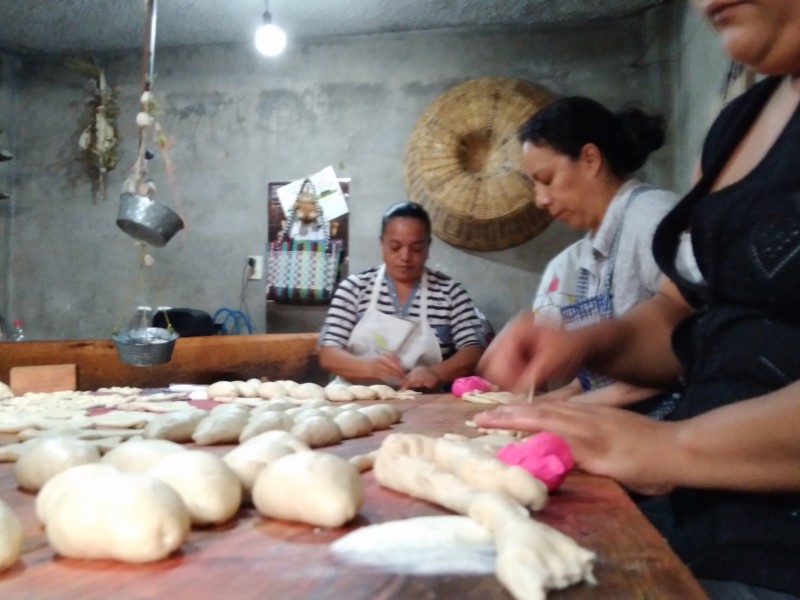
(331, 199)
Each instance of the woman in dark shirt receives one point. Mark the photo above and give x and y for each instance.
(724, 472)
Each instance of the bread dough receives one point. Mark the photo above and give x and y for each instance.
(317, 431)
(137, 456)
(104, 513)
(353, 424)
(363, 392)
(50, 456)
(222, 389)
(10, 536)
(207, 485)
(175, 426)
(307, 391)
(221, 426)
(382, 416)
(271, 389)
(265, 421)
(339, 392)
(248, 459)
(311, 487)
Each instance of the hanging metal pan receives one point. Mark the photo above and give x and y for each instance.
(146, 220)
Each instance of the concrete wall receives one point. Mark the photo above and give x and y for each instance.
(239, 121)
(701, 65)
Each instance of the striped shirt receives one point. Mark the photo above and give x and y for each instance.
(451, 312)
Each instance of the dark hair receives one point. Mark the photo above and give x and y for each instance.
(625, 138)
(407, 210)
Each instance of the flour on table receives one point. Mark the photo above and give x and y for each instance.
(421, 546)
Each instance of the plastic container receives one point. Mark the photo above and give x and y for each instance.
(18, 333)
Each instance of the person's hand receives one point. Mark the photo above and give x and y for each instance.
(386, 367)
(420, 377)
(606, 441)
(525, 353)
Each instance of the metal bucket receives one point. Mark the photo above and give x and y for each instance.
(147, 220)
(145, 347)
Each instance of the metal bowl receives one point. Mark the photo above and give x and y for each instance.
(146, 346)
(146, 220)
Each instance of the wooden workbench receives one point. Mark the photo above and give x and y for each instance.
(254, 557)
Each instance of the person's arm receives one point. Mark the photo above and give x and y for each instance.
(750, 445)
(618, 393)
(635, 348)
(461, 364)
(384, 367)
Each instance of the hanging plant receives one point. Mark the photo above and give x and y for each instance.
(100, 138)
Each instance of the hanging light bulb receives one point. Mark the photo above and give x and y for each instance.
(270, 39)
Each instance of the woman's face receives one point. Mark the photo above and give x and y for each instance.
(564, 186)
(405, 245)
(764, 34)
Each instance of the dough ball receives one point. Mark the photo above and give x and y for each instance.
(248, 459)
(222, 389)
(384, 392)
(104, 514)
(207, 485)
(301, 412)
(278, 404)
(223, 427)
(311, 487)
(338, 392)
(10, 537)
(51, 456)
(137, 456)
(5, 391)
(363, 392)
(288, 385)
(176, 426)
(50, 494)
(230, 409)
(255, 382)
(353, 424)
(317, 431)
(265, 421)
(271, 389)
(382, 416)
(245, 389)
(307, 391)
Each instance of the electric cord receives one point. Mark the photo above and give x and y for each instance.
(248, 271)
(234, 322)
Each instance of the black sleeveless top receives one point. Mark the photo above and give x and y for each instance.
(742, 340)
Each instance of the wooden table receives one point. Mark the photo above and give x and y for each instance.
(253, 557)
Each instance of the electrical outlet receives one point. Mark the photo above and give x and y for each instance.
(258, 267)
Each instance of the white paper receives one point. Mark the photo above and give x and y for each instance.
(331, 199)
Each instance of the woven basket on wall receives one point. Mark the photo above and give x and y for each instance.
(463, 163)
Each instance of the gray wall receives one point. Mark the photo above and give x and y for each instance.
(239, 121)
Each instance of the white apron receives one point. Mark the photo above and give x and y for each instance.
(414, 343)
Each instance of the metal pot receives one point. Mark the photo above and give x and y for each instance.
(146, 220)
(146, 346)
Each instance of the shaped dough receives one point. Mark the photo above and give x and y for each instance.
(137, 456)
(222, 389)
(207, 485)
(311, 487)
(10, 537)
(317, 431)
(265, 421)
(108, 514)
(49, 457)
(353, 424)
(176, 426)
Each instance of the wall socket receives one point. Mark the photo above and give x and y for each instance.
(258, 269)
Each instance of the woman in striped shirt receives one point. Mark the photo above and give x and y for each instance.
(402, 323)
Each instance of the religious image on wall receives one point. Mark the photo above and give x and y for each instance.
(307, 237)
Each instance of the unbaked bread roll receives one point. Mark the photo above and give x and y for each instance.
(307, 391)
(353, 424)
(222, 389)
(248, 459)
(176, 426)
(10, 537)
(317, 431)
(105, 514)
(382, 416)
(363, 392)
(311, 487)
(339, 392)
(49, 457)
(137, 456)
(207, 485)
(265, 421)
(271, 389)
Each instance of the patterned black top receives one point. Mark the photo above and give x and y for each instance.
(743, 339)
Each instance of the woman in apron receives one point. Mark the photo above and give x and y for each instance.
(726, 321)
(580, 156)
(401, 323)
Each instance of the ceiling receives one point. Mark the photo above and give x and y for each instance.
(54, 26)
